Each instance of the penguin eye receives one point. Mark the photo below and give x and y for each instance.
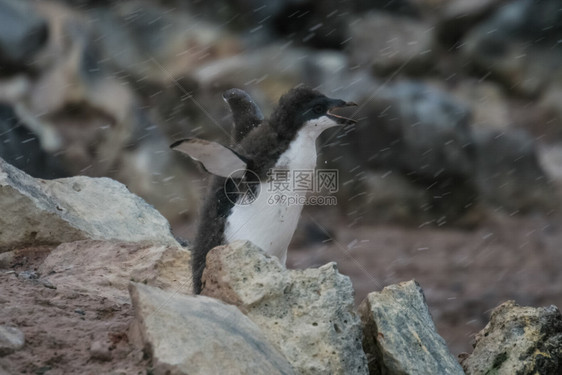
(318, 109)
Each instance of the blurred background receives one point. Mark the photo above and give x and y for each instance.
(451, 177)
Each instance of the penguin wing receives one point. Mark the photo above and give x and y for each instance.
(215, 158)
(245, 112)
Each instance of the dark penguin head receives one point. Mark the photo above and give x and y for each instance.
(302, 107)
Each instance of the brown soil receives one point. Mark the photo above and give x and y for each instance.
(65, 333)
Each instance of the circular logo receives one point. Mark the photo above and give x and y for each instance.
(242, 191)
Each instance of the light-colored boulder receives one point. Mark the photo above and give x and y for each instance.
(550, 158)
(309, 314)
(199, 335)
(105, 268)
(488, 104)
(518, 340)
(38, 212)
(400, 336)
(11, 339)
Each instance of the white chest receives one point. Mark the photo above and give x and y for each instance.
(270, 221)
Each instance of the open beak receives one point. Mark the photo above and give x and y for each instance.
(342, 120)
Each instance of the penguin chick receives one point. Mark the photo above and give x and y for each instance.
(285, 142)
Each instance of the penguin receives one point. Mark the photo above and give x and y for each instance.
(239, 204)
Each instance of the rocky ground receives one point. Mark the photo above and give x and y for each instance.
(71, 331)
(66, 333)
(464, 273)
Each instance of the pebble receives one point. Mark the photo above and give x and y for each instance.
(11, 339)
(99, 350)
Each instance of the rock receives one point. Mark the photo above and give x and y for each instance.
(318, 25)
(100, 350)
(21, 147)
(22, 33)
(105, 268)
(153, 173)
(39, 212)
(379, 197)
(151, 43)
(457, 17)
(423, 134)
(421, 129)
(487, 103)
(96, 81)
(549, 105)
(518, 340)
(11, 339)
(199, 335)
(550, 157)
(509, 175)
(402, 7)
(74, 90)
(3, 371)
(278, 68)
(6, 259)
(388, 43)
(302, 22)
(308, 314)
(519, 45)
(400, 336)
(28, 275)
(242, 70)
(415, 146)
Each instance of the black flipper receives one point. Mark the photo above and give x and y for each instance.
(245, 112)
(215, 158)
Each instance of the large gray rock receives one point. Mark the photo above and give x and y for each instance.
(400, 336)
(20, 147)
(456, 17)
(36, 212)
(308, 314)
(419, 129)
(388, 43)
(509, 175)
(421, 133)
(487, 101)
(383, 197)
(11, 339)
(199, 335)
(149, 42)
(518, 340)
(22, 32)
(519, 45)
(105, 268)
